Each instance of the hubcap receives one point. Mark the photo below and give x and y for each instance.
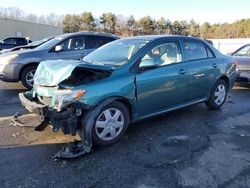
(30, 78)
(220, 94)
(109, 124)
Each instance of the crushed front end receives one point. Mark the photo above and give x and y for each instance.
(65, 115)
(58, 90)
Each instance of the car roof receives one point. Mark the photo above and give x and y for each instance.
(89, 33)
(155, 37)
(14, 38)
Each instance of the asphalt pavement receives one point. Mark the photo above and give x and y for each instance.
(192, 147)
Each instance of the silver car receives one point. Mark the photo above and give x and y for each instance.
(21, 65)
(242, 58)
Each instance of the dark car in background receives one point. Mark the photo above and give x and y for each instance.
(21, 65)
(31, 45)
(242, 58)
(12, 42)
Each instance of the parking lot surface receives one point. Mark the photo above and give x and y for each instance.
(193, 147)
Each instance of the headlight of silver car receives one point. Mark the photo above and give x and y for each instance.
(66, 97)
(8, 59)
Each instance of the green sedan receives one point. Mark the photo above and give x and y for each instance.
(126, 81)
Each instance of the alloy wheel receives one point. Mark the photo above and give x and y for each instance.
(30, 78)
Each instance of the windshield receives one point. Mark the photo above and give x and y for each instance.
(116, 53)
(244, 51)
(39, 42)
(49, 43)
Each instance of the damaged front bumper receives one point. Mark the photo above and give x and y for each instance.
(68, 120)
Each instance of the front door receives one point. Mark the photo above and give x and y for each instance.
(161, 81)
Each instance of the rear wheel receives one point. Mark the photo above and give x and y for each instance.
(218, 95)
(27, 76)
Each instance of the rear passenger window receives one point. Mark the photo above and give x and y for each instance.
(21, 41)
(73, 44)
(195, 51)
(97, 41)
(108, 39)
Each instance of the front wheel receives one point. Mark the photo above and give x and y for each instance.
(110, 124)
(218, 95)
(27, 76)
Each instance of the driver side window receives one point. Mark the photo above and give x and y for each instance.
(74, 43)
(161, 55)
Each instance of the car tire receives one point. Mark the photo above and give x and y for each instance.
(218, 95)
(27, 76)
(107, 128)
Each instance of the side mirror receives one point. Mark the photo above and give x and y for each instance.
(58, 48)
(147, 64)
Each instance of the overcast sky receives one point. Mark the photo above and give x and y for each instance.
(213, 11)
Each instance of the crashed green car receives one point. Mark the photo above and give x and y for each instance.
(126, 81)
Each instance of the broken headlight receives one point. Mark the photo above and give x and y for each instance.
(65, 97)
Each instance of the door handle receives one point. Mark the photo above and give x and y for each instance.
(215, 65)
(182, 71)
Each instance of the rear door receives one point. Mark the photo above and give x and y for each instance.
(161, 81)
(203, 69)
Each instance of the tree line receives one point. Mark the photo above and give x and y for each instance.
(129, 26)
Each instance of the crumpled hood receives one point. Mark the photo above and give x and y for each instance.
(52, 72)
